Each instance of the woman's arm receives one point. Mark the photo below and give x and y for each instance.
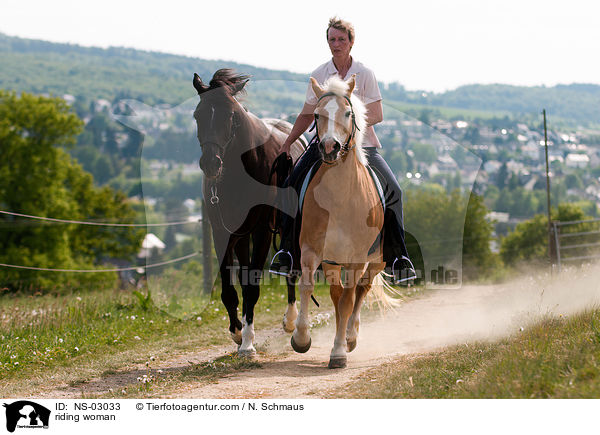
(303, 121)
(374, 113)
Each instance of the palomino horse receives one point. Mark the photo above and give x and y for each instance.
(238, 153)
(342, 217)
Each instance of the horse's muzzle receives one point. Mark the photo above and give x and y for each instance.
(212, 166)
(329, 149)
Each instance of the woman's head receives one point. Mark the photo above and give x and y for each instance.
(340, 37)
(342, 25)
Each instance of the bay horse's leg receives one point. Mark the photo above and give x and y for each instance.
(309, 262)
(242, 251)
(362, 289)
(229, 295)
(261, 243)
(291, 313)
(338, 357)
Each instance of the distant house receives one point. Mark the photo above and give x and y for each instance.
(577, 160)
(492, 166)
(149, 243)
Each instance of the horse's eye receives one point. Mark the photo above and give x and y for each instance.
(347, 114)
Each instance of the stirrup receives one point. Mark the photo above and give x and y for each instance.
(273, 267)
(411, 275)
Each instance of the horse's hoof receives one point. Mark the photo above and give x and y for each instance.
(236, 336)
(337, 362)
(286, 328)
(300, 349)
(247, 353)
(351, 345)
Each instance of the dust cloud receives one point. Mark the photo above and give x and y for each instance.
(473, 312)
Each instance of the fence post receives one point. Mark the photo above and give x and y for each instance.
(207, 277)
(556, 235)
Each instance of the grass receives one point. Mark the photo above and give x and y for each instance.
(557, 357)
(71, 338)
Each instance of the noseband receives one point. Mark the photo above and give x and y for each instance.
(345, 147)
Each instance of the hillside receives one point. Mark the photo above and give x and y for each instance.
(91, 73)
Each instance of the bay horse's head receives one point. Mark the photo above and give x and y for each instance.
(339, 117)
(218, 116)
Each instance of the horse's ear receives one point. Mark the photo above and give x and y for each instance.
(200, 87)
(316, 87)
(351, 83)
(238, 87)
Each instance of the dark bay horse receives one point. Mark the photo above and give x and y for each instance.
(240, 192)
(342, 218)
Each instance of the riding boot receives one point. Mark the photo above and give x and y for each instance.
(395, 254)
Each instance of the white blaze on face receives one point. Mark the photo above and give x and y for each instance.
(333, 123)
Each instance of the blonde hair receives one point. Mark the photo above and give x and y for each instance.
(344, 26)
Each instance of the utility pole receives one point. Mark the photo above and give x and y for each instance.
(551, 253)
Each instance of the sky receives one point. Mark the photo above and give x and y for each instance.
(432, 45)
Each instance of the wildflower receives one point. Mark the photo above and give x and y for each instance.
(137, 337)
(152, 358)
(78, 298)
(60, 340)
(76, 349)
(151, 322)
(160, 372)
(132, 317)
(199, 319)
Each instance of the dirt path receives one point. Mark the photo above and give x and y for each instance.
(442, 318)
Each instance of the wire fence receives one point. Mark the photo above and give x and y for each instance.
(106, 224)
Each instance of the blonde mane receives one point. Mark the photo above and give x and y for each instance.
(339, 87)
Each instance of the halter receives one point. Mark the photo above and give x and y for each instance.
(345, 148)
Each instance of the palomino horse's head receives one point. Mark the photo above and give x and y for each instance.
(339, 117)
(218, 116)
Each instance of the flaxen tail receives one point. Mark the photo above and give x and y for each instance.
(383, 294)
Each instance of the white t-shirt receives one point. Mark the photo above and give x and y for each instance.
(366, 89)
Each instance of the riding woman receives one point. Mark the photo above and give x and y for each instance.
(340, 37)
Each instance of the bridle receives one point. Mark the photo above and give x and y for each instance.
(345, 148)
(222, 148)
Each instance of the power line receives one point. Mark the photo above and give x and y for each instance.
(66, 221)
(43, 269)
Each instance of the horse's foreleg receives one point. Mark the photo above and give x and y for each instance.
(229, 297)
(301, 338)
(345, 305)
(362, 289)
(249, 279)
(333, 275)
(354, 320)
(291, 313)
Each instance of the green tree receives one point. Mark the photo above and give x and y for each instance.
(440, 216)
(529, 240)
(38, 177)
(478, 258)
